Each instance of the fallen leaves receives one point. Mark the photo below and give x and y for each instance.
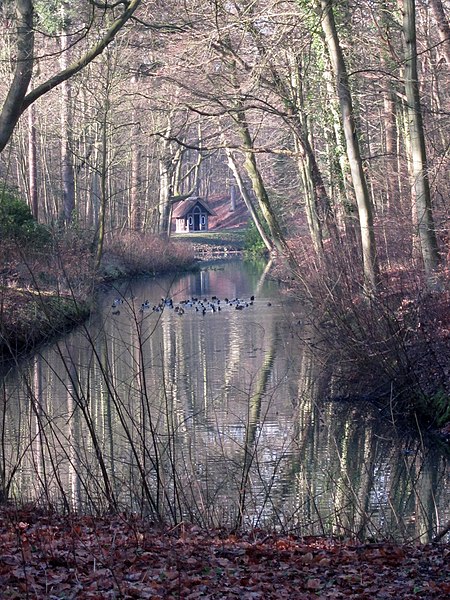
(51, 556)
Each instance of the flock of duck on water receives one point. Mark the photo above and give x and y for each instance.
(200, 305)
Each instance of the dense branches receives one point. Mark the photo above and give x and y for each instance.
(308, 108)
(17, 100)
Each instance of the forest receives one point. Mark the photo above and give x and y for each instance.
(329, 121)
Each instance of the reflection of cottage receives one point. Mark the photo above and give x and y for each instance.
(192, 215)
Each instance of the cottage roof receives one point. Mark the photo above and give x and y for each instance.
(185, 206)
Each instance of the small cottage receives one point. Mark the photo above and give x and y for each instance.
(192, 215)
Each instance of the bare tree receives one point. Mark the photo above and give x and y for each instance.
(17, 99)
(420, 187)
(365, 210)
(443, 27)
(67, 171)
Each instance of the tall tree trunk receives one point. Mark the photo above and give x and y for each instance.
(365, 209)
(12, 107)
(233, 195)
(67, 172)
(166, 170)
(443, 27)
(248, 203)
(389, 111)
(103, 187)
(342, 190)
(311, 208)
(317, 203)
(258, 186)
(135, 182)
(165, 194)
(421, 197)
(32, 163)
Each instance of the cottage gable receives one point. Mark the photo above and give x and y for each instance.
(192, 215)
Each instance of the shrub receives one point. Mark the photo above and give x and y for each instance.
(135, 253)
(253, 241)
(17, 223)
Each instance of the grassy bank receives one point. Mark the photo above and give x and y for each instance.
(224, 241)
(30, 317)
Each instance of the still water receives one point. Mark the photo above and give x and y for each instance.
(203, 397)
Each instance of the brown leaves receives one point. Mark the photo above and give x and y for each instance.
(48, 556)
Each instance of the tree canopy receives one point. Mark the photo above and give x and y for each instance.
(332, 119)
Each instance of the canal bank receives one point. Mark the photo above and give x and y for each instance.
(46, 292)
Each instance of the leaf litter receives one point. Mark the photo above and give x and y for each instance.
(56, 557)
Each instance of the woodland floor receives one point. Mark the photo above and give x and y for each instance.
(54, 557)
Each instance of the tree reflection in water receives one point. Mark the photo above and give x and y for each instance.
(220, 418)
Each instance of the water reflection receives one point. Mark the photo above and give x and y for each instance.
(218, 417)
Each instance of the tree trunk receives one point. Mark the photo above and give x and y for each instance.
(135, 183)
(317, 203)
(248, 203)
(165, 194)
(420, 187)
(233, 195)
(12, 107)
(67, 172)
(341, 178)
(17, 100)
(258, 186)
(389, 117)
(365, 210)
(32, 164)
(442, 26)
(103, 187)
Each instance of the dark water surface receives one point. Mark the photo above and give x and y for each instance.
(215, 414)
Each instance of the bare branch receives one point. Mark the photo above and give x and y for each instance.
(17, 99)
(79, 64)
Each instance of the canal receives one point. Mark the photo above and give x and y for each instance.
(204, 397)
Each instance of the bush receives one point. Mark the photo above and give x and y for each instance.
(135, 253)
(253, 241)
(17, 223)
